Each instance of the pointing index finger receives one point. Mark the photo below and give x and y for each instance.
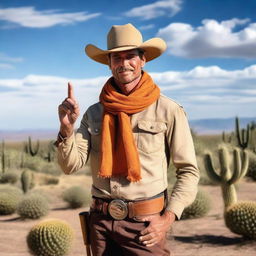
(70, 91)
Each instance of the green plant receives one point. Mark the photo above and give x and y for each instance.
(239, 217)
(9, 177)
(76, 197)
(33, 207)
(31, 150)
(27, 180)
(243, 136)
(50, 238)
(252, 166)
(199, 208)
(9, 199)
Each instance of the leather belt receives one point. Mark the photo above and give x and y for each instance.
(119, 209)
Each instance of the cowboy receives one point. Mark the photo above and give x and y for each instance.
(130, 136)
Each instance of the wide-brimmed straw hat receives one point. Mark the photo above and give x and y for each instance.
(123, 38)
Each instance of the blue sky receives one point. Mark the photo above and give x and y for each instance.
(209, 66)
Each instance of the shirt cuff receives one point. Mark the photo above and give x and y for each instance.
(176, 207)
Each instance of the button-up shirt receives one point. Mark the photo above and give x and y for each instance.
(161, 133)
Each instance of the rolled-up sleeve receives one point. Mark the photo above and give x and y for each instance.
(184, 159)
(73, 152)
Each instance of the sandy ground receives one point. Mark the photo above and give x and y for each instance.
(206, 236)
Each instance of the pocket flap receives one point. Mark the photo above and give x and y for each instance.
(152, 126)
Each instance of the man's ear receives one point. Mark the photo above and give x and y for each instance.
(109, 61)
(143, 61)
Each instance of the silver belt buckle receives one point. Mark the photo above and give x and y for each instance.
(118, 209)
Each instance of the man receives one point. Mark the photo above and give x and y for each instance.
(130, 137)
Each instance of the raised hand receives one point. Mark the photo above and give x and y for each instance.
(68, 113)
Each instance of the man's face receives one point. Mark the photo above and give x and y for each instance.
(126, 66)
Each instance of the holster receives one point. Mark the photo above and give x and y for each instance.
(84, 221)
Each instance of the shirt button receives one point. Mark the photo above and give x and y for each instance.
(96, 129)
(151, 127)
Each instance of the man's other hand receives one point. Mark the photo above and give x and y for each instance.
(157, 228)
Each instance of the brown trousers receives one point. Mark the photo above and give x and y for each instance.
(120, 238)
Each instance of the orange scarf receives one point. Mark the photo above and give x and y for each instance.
(119, 155)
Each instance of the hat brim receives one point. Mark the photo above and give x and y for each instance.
(153, 48)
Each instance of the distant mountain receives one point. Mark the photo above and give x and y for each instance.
(23, 135)
(218, 125)
(200, 126)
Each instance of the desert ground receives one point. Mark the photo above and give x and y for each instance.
(207, 236)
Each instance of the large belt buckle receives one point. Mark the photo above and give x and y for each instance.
(118, 209)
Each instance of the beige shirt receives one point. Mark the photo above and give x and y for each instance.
(161, 133)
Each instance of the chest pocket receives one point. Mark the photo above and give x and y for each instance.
(95, 130)
(151, 135)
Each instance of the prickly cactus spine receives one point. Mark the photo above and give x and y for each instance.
(51, 238)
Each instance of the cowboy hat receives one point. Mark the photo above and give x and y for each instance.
(123, 38)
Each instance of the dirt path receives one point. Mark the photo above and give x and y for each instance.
(206, 236)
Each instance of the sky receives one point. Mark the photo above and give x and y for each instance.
(209, 66)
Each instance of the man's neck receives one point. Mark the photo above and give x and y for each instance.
(127, 88)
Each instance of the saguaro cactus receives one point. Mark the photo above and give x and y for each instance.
(243, 136)
(33, 151)
(226, 178)
(3, 157)
(240, 217)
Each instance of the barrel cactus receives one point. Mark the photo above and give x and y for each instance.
(50, 238)
(239, 216)
(9, 177)
(33, 207)
(76, 197)
(9, 199)
(199, 208)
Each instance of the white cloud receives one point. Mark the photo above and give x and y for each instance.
(6, 66)
(156, 9)
(146, 27)
(29, 17)
(205, 92)
(213, 39)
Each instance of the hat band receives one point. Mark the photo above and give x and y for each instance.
(124, 46)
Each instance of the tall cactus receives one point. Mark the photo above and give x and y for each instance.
(226, 178)
(240, 217)
(27, 180)
(33, 151)
(3, 157)
(243, 136)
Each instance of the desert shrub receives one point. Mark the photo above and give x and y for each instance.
(252, 166)
(9, 177)
(199, 208)
(33, 206)
(9, 199)
(51, 238)
(76, 197)
(51, 180)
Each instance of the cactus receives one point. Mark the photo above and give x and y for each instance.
(33, 207)
(76, 197)
(244, 136)
(252, 166)
(51, 152)
(51, 238)
(239, 216)
(9, 199)
(3, 157)
(27, 180)
(199, 208)
(33, 152)
(227, 138)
